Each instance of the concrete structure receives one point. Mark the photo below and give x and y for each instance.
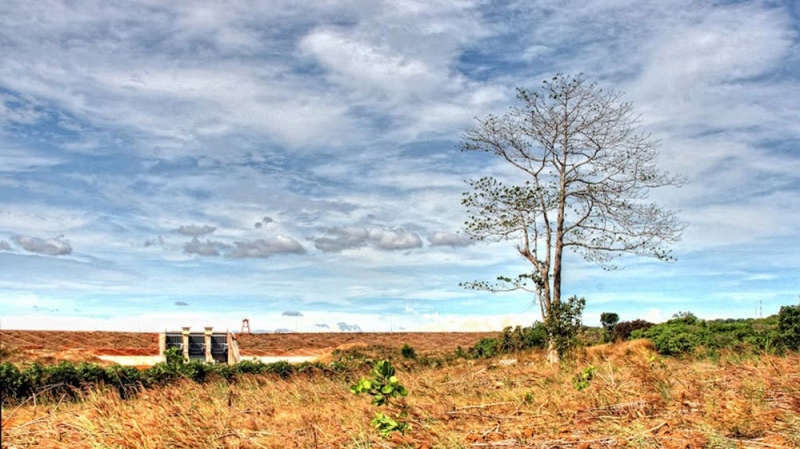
(207, 346)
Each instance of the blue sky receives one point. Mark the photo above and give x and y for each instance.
(297, 163)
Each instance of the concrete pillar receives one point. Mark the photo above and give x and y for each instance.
(207, 341)
(162, 343)
(185, 341)
(233, 353)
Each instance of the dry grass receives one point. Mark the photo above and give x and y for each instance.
(636, 399)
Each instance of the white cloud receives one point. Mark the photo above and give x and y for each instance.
(204, 248)
(196, 230)
(358, 63)
(57, 246)
(340, 239)
(120, 124)
(449, 239)
(264, 248)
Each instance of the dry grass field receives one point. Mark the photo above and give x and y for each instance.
(635, 399)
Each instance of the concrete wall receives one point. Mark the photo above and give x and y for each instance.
(282, 358)
(150, 360)
(133, 360)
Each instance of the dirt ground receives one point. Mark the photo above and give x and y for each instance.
(55, 346)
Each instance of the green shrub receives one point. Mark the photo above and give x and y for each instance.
(583, 379)
(563, 323)
(485, 348)
(685, 334)
(408, 352)
(512, 340)
(282, 368)
(789, 327)
(13, 385)
(609, 321)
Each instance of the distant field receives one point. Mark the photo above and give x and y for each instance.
(318, 343)
(53, 346)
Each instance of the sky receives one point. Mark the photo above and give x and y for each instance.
(168, 164)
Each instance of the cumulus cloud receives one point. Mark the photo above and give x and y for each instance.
(52, 247)
(292, 313)
(323, 326)
(263, 222)
(4, 246)
(181, 303)
(263, 248)
(340, 239)
(195, 230)
(204, 248)
(345, 327)
(397, 238)
(449, 239)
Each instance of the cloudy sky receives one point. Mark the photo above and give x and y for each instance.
(297, 163)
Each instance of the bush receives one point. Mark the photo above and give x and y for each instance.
(685, 333)
(609, 321)
(513, 339)
(13, 385)
(485, 348)
(623, 330)
(564, 322)
(789, 327)
(408, 352)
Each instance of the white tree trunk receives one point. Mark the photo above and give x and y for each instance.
(552, 352)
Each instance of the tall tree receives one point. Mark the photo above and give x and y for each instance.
(587, 173)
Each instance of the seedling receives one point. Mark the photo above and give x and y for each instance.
(584, 378)
(383, 387)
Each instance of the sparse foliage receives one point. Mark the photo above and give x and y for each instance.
(588, 174)
(609, 321)
(563, 324)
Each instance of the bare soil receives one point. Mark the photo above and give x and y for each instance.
(54, 346)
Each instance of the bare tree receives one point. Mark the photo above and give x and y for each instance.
(588, 174)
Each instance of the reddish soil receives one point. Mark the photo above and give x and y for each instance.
(321, 343)
(88, 341)
(66, 345)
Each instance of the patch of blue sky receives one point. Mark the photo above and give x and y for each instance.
(323, 141)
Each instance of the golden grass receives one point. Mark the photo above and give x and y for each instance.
(636, 399)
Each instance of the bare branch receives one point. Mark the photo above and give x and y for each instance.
(591, 172)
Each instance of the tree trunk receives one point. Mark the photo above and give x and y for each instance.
(552, 352)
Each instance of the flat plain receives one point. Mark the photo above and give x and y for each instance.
(633, 398)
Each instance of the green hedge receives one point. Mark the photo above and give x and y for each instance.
(67, 380)
(512, 340)
(687, 334)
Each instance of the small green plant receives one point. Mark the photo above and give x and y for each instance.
(584, 378)
(408, 352)
(384, 387)
(386, 425)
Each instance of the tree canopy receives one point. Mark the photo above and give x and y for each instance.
(587, 172)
